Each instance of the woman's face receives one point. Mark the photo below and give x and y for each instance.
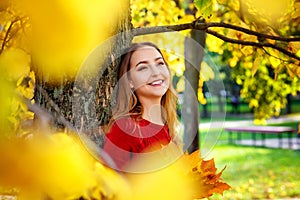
(149, 74)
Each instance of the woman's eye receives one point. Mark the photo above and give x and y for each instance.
(161, 64)
(142, 67)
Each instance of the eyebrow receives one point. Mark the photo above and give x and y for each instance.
(143, 62)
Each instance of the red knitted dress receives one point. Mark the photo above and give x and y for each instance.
(128, 137)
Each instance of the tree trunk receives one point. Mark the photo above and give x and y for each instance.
(190, 112)
(92, 105)
(220, 102)
(288, 108)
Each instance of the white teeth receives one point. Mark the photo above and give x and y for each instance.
(156, 82)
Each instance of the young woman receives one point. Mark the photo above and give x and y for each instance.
(144, 114)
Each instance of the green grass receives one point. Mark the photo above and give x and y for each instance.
(258, 173)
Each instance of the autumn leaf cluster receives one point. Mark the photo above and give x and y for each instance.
(205, 175)
(266, 76)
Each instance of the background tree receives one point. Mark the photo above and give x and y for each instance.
(267, 75)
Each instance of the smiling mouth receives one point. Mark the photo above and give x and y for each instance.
(156, 83)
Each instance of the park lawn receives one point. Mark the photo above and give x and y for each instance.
(258, 173)
(222, 136)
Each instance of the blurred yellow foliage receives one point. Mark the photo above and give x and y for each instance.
(233, 61)
(59, 167)
(270, 11)
(64, 33)
(247, 50)
(4, 4)
(14, 63)
(180, 85)
(253, 103)
(25, 85)
(6, 95)
(214, 44)
(189, 177)
(201, 97)
(206, 72)
(294, 47)
(17, 83)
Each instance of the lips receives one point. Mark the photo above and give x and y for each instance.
(156, 83)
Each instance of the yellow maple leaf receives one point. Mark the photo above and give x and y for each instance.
(203, 174)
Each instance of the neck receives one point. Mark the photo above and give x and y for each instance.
(152, 111)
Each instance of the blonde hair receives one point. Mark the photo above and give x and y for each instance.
(126, 101)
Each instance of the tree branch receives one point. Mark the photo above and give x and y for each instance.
(203, 26)
(6, 36)
(250, 32)
(162, 29)
(256, 44)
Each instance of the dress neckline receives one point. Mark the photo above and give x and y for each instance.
(147, 122)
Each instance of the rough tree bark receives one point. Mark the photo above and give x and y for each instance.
(93, 110)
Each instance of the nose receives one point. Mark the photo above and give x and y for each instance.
(154, 70)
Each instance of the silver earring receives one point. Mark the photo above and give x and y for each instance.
(131, 86)
(132, 89)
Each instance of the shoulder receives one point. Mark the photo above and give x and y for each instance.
(124, 124)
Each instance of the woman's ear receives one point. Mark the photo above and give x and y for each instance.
(131, 84)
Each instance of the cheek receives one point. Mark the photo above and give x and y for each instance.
(166, 74)
(138, 79)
